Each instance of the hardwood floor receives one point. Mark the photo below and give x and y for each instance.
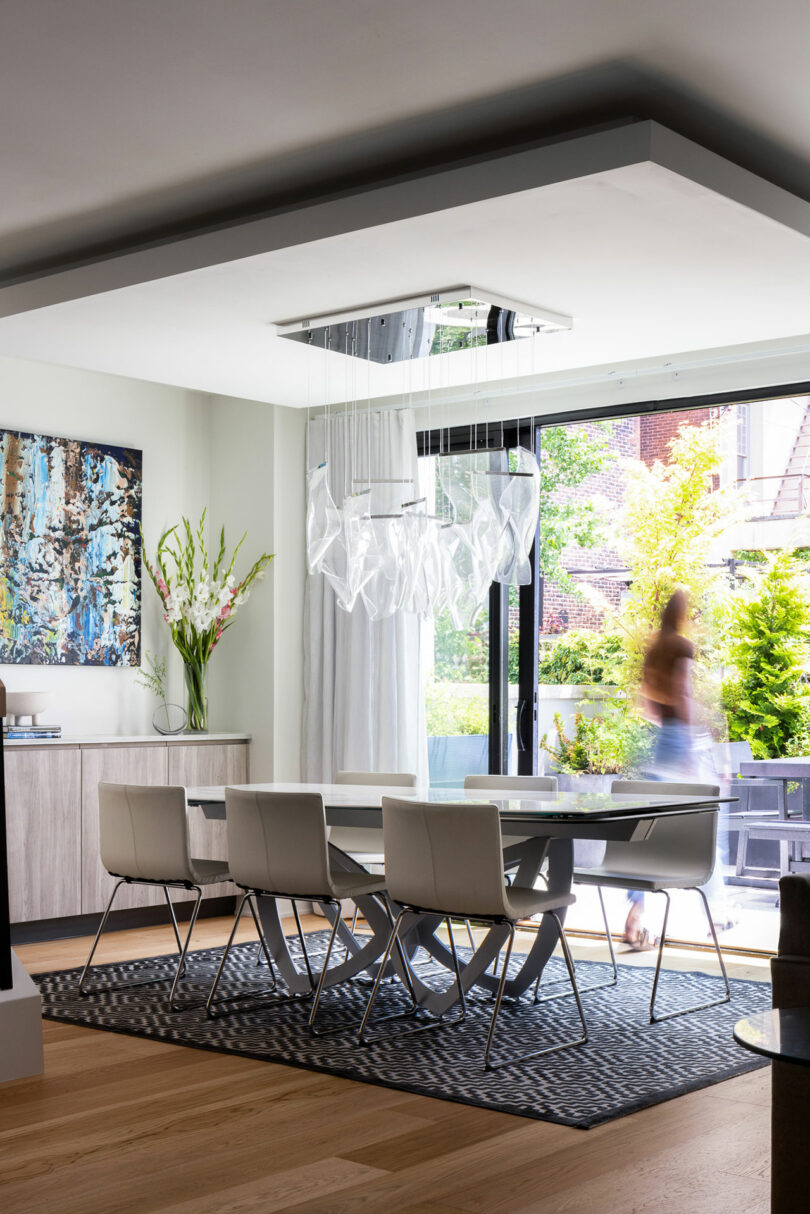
(125, 1125)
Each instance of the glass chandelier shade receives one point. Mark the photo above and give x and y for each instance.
(470, 522)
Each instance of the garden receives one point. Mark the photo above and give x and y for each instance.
(675, 528)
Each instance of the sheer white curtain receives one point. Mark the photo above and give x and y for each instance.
(363, 701)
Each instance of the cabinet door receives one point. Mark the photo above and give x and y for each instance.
(201, 765)
(115, 765)
(43, 807)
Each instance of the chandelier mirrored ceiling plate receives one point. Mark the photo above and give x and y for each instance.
(390, 546)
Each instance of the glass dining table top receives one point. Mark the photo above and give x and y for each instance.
(557, 805)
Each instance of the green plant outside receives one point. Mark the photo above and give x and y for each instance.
(616, 743)
(451, 716)
(581, 656)
(767, 701)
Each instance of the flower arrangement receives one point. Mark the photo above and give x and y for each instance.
(200, 601)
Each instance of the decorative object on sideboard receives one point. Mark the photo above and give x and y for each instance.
(70, 552)
(200, 601)
(167, 718)
(30, 704)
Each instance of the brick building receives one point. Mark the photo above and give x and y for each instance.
(645, 438)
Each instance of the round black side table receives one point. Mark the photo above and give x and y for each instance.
(783, 1035)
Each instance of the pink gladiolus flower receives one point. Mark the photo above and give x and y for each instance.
(224, 613)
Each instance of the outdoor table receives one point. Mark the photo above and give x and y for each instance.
(783, 770)
(547, 823)
(792, 839)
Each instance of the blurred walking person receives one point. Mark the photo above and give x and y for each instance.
(666, 692)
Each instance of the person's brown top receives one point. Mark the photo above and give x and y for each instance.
(665, 678)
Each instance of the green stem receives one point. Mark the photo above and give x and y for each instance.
(195, 672)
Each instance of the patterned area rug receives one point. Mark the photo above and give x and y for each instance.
(626, 1065)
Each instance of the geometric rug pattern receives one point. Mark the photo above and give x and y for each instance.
(626, 1065)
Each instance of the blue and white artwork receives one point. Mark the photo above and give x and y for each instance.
(70, 552)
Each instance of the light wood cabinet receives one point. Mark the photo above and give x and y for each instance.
(202, 765)
(52, 816)
(44, 828)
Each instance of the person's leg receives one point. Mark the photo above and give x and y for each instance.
(633, 929)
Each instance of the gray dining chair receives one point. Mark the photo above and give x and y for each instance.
(277, 848)
(367, 841)
(679, 853)
(143, 840)
(515, 784)
(365, 844)
(447, 860)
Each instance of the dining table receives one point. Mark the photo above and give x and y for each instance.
(539, 830)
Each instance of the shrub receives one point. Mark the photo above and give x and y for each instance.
(581, 656)
(616, 743)
(767, 702)
(451, 715)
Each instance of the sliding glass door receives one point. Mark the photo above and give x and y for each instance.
(478, 675)
(707, 496)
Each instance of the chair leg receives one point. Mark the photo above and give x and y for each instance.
(303, 944)
(181, 965)
(499, 996)
(101, 927)
(170, 905)
(596, 986)
(210, 1000)
(470, 936)
(351, 929)
(393, 937)
(698, 1007)
(262, 950)
(322, 976)
(550, 1049)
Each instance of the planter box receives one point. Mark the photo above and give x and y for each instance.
(567, 699)
(586, 782)
(450, 759)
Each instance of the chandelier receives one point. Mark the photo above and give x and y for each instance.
(391, 545)
(388, 555)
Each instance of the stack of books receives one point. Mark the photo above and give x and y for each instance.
(15, 733)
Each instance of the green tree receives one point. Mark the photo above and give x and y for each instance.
(672, 516)
(568, 456)
(767, 703)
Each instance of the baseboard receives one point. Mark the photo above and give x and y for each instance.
(41, 930)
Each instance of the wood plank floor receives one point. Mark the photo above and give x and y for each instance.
(131, 1126)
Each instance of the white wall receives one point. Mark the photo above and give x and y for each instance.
(244, 461)
(257, 486)
(172, 428)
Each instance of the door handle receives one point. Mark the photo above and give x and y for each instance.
(522, 707)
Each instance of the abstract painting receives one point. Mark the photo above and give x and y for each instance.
(70, 552)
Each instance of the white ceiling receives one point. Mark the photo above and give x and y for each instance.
(120, 118)
(118, 113)
(647, 262)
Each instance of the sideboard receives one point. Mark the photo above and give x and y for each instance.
(52, 813)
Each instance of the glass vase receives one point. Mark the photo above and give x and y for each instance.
(197, 700)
